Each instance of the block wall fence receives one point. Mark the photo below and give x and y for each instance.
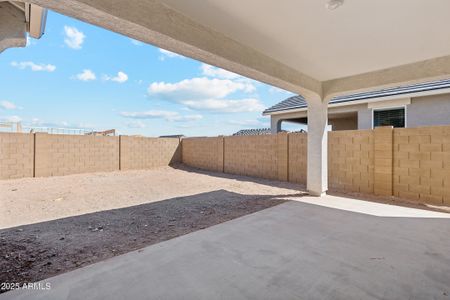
(412, 164)
(42, 155)
(278, 157)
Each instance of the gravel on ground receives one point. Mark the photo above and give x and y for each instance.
(53, 225)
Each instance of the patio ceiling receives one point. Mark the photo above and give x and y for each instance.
(358, 37)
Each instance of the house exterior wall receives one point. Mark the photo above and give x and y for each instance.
(429, 111)
(423, 111)
(343, 124)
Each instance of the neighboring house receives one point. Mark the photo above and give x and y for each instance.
(260, 131)
(407, 106)
(175, 136)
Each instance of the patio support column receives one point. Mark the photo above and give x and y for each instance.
(275, 125)
(317, 165)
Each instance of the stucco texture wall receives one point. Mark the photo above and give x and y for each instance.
(429, 111)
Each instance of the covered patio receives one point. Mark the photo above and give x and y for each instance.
(319, 49)
(337, 248)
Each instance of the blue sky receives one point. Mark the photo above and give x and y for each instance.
(81, 76)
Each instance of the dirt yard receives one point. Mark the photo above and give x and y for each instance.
(52, 225)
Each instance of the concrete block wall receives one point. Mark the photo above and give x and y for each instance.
(203, 152)
(145, 153)
(264, 156)
(16, 155)
(351, 161)
(73, 154)
(421, 160)
(42, 155)
(252, 156)
(297, 159)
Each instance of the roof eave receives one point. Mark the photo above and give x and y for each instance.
(362, 101)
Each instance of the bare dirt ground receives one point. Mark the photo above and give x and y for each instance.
(52, 225)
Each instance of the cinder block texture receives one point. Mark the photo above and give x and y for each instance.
(16, 155)
(351, 161)
(297, 154)
(72, 154)
(422, 164)
(383, 164)
(252, 156)
(145, 153)
(203, 153)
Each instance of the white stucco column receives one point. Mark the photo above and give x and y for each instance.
(317, 175)
(275, 125)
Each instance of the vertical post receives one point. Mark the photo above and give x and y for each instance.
(383, 164)
(282, 156)
(317, 166)
(275, 124)
(120, 152)
(220, 153)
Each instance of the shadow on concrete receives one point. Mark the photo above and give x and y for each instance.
(38, 251)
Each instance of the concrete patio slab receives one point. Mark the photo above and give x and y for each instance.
(371, 208)
(295, 250)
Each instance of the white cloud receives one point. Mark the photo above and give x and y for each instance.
(7, 105)
(136, 42)
(135, 124)
(121, 77)
(251, 122)
(73, 37)
(226, 105)
(211, 71)
(170, 116)
(35, 122)
(14, 119)
(208, 94)
(168, 54)
(33, 66)
(86, 75)
(188, 118)
(198, 88)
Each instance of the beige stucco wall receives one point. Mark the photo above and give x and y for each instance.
(429, 111)
(16, 155)
(71, 154)
(343, 124)
(146, 153)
